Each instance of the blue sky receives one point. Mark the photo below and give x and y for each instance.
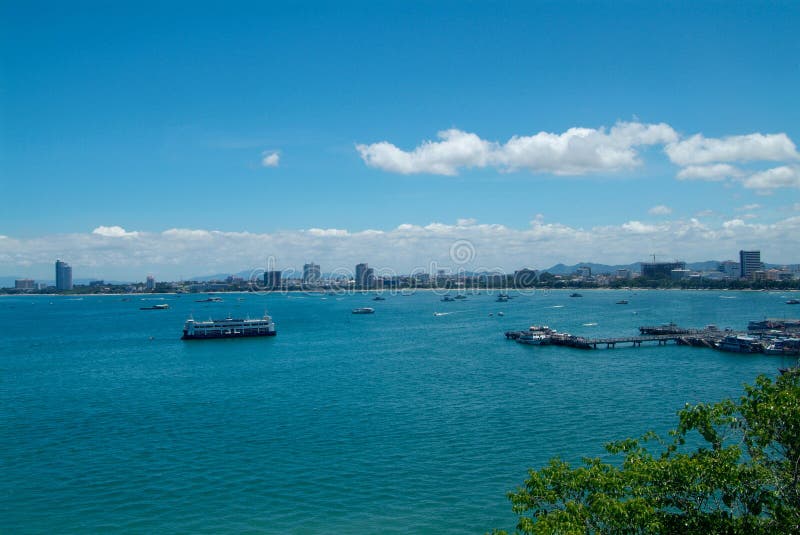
(144, 118)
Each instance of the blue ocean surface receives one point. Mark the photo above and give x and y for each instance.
(396, 422)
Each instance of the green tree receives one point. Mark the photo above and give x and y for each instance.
(729, 467)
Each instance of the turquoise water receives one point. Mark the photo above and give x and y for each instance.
(397, 422)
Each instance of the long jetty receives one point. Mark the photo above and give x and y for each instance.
(709, 337)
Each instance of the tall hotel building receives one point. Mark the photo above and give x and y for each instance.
(311, 274)
(63, 276)
(749, 262)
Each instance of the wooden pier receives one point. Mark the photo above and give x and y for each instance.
(690, 337)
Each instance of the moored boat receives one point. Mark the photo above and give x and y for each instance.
(228, 328)
(739, 344)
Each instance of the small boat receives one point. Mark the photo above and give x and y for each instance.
(575, 295)
(502, 298)
(793, 302)
(209, 300)
(622, 302)
(501, 313)
(533, 339)
(460, 296)
(364, 310)
(447, 298)
(162, 306)
(378, 298)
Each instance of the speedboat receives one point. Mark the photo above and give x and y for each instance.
(793, 302)
(162, 306)
(447, 298)
(622, 302)
(364, 310)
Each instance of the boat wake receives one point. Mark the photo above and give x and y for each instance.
(589, 324)
(437, 314)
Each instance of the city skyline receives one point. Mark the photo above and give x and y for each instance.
(540, 133)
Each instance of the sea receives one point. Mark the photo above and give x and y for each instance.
(402, 421)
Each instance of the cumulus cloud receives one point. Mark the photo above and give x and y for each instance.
(581, 151)
(187, 252)
(270, 159)
(784, 176)
(465, 221)
(577, 151)
(456, 150)
(714, 172)
(699, 150)
(660, 210)
(114, 232)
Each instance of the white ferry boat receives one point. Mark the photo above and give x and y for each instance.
(228, 328)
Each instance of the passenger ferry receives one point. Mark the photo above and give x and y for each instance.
(228, 328)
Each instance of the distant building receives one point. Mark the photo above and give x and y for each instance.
(150, 283)
(731, 269)
(96, 284)
(311, 274)
(365, 276)
(660, 270)
(584, 271)
(678, 274)
(272, 280)
(750, 262)
(63, 276)
(623, 274)
(25, 284)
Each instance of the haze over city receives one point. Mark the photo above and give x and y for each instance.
(186, 139)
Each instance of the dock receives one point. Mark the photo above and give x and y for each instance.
(709, 337)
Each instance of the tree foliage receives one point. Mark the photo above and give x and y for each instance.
(729, 467)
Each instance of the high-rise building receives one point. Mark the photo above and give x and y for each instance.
(150, 284)
(311, 274)
(660, 270)
(24, 284)
(731, 269)
(272, 280)
(750, 262)
(365, 276)
(63, 276)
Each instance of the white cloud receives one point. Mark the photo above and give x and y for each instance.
(186, 234)
(270, 159)
(580, 151)
(456, 150)
(660, 210)
(187, 252)
(577, 151)
(699, 150)
(465, 221)
(777, 177)
(114, 232)
(637, 227)
(327, 232)
(715, 172)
